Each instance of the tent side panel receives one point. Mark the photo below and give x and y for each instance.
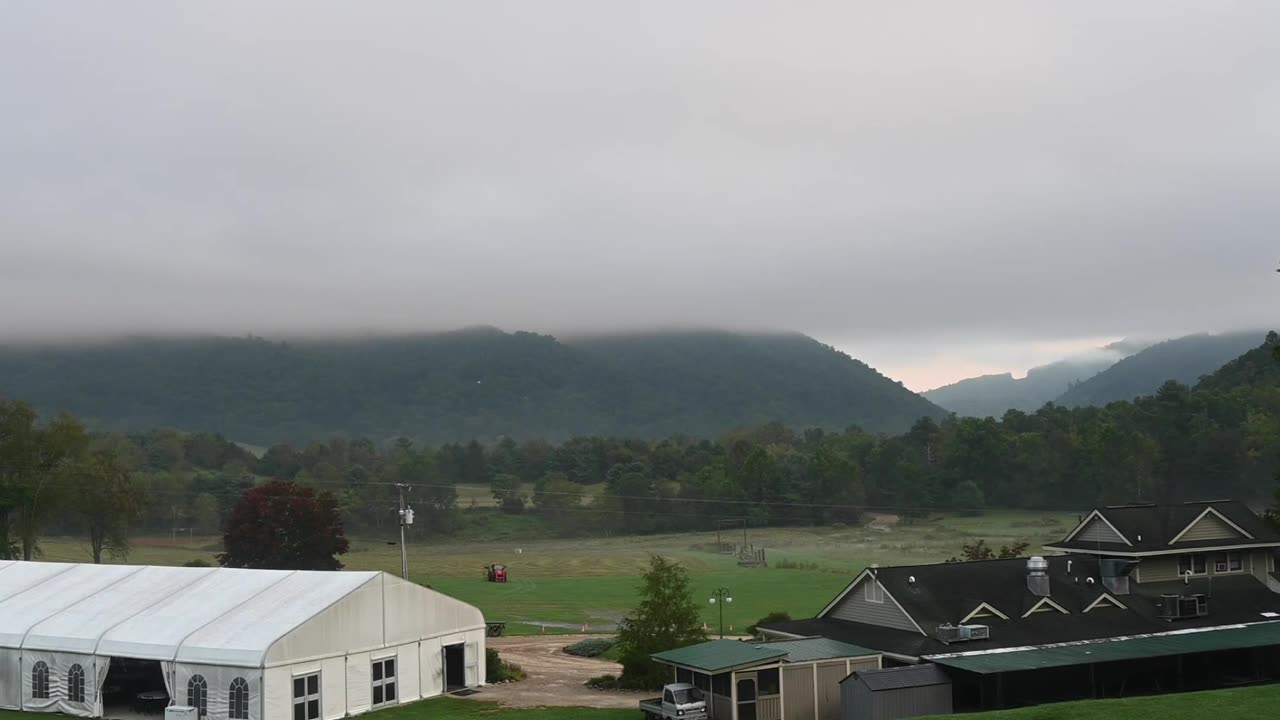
(10, 679)
(333, 693)
(359, 679)
(277, 693)
(432, 670)
(217, 681)
(407, 673)
(476, 664)
(414, 612)
(352, 623)
(56, 677)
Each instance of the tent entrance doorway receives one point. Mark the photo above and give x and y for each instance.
(455, 667)
(134, 688)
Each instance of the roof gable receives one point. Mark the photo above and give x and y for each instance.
(1097, 528)
(1210, 525)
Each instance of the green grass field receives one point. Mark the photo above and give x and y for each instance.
(593, 580)
(1251, 702)
(455, 709)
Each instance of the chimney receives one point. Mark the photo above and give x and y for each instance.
(1038, 576)
(1115, 574)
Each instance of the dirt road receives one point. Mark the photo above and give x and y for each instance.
(554, 677)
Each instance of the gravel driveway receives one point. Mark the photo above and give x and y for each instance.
(554, 677)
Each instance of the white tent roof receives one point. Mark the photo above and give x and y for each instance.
(212, 615)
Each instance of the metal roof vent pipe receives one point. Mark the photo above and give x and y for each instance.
(1038, 576)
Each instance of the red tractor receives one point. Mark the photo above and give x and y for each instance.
(496, 573)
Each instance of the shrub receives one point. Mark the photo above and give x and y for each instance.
(773, 617)
(785, 564)
(198, 562)
(591, 647)
(498, 670)
(604, 682)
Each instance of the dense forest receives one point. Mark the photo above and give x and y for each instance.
(478, 384)
(1220, 438)
(1184, 359)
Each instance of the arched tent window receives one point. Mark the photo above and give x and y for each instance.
(238, 700)
(75, 684)
(198, 694)
(40, 681)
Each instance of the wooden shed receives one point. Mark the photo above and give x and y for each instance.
(785, 680)
(900, 692)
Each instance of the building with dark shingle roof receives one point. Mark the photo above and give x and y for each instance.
(892, 693)
(1130, 573)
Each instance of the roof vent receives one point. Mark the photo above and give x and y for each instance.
(911, 579)
(962, 633)
(1178, 607)
(1038, 576)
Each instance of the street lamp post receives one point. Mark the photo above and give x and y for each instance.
(720, 596)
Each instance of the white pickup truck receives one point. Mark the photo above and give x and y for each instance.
(679, 701)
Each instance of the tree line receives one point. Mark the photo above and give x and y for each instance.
(1220, 439)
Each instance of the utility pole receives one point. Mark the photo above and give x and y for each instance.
(406, 518)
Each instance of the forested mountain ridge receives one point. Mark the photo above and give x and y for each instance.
(1184, 360)
(1256, 368)
(993, 395)
(473, 384)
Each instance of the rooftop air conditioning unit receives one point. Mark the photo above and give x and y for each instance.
(949, 633)
(977, 632)
(1180, 607)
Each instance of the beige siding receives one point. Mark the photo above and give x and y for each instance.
(797, 688)
(721, 707)
(1098, 531)
(1210, 527)
(769, 707)
(856, 608)
(1159, 569)
(829, 676)
(860, 665)
(1165, 567)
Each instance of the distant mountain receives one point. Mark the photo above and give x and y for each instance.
(480, 383)
(1185, 359)
(993, 395)
(1256, 368)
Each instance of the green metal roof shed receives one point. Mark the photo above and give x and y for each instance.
(717, 656)
(1175, 643)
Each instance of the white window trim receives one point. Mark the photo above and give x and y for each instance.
(1200, 517)
(1106, 597)
(1193, 564)
(872, 592)
(307, 697)
(1045, 601)
(1085, 523)
(384, 682)
(983, 610)
(1229, 571)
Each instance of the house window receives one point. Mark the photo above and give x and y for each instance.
(1228, 563)
(872, 592)
(1195, 564)
(238, 700)
(767, 680)
(75, 683)
(198, 694)
(306, 697)
(384, 681)
(40, 681)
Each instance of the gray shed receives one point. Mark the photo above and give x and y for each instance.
(900, 692)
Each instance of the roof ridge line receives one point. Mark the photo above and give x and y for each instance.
(148, 606)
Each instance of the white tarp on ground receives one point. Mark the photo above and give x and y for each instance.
(223, 625)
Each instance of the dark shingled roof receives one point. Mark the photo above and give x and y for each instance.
(909, 676)
(946, 593)
(1156, 525)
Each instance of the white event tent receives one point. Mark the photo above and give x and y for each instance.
(237, 644)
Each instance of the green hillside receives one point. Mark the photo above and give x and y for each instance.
(993, 395)
(1258, 367)
(479, 383)
(1184, 360)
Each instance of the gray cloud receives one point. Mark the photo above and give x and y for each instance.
(875, 173)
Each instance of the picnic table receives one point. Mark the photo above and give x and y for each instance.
(151, 702)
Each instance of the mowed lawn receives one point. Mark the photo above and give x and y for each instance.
(456, 709)
(594, 580)
(1252, 702)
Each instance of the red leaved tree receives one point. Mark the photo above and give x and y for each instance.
(281, 525)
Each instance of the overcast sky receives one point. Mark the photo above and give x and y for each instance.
(940, 189)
